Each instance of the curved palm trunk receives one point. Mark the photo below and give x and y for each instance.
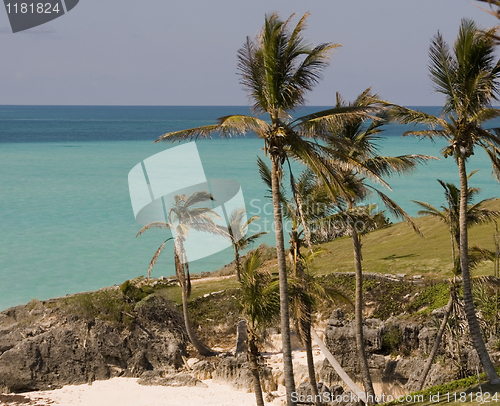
(306, 326)
(254, 366)
(474, 328)
(360, 341)
(437, 342)
(283, 284)
(200, 347)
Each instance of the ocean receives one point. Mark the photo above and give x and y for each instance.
(66, 219)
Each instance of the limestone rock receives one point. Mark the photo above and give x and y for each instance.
(56, 349)
(242, 338)
(236, 372)
(426, 338)
(202, 370)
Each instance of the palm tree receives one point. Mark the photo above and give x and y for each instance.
(260, 304)
(357, 139)
(476, 214)
(183, 216)
(237, 230)
(467, 76)
(450, 216)
(305, 290)
(277, 69)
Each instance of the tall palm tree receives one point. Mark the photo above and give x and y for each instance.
(277, 68)
(309, 203)
(468, 76)
(450, 216)
(237, 230)
(260, 304)
(357, 139)
(183, 216)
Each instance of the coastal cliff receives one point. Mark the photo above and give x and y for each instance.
(44, 346)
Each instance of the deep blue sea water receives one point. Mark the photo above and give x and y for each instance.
(66, 221)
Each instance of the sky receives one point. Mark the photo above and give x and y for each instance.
(158, 52)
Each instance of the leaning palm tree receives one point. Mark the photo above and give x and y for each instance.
(277, 69)
(468, 76)
(183, 216)
(237, 230)
(260, 304)
(476, 214)
(358, 139)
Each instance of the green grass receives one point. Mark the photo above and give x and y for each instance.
(399, 250)
(198, 289)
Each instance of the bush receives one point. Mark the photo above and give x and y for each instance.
(392, 340)
(432, 297)
(107, 305)
(134, 294)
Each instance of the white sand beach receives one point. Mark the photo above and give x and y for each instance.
(127, 392)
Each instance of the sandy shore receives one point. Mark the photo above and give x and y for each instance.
(127, 392)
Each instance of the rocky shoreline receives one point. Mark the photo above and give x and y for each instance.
(44, 346)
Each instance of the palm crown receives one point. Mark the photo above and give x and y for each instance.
(468, 77)
(476, 214)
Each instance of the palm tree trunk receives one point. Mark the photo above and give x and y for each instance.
(200, 347)
(497, 253)
(254, 366)
(306, 325)
(437, 342)
(283, 283)
(474, 328)
(237, 263)
(360, 341)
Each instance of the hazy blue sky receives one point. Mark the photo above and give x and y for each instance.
(160, 52)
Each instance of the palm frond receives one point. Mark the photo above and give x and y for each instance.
(443, 70)
(156, 224)
(318, 124)
(396, 210)
(198, 197)
(430, 210)
(189, 134)
(228, 126)
(386, 166)
(405, 115)
(156, 256)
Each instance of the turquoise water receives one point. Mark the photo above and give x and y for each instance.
(66, 219)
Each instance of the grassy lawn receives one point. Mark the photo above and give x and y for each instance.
(198, 289)
(398, 249)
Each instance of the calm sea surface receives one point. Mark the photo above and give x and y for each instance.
(66, 221)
